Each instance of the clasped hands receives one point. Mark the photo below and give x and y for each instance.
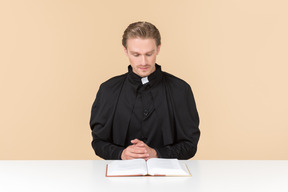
(137, 150)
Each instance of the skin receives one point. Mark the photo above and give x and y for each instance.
(137, 150)
(142, 55)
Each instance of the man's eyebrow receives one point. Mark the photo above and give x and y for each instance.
(135, 52)
(151, 51)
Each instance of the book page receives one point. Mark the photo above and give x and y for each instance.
(158, 166)
(127, 167)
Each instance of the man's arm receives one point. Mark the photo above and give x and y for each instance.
(101, 125)
(180, 150)
(186, 123)
(106, 149)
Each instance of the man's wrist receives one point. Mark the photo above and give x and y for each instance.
(157, 153)
(154, 153)
(122, 154)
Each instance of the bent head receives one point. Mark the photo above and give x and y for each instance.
(142, 42)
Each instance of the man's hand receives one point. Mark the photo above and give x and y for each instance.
(150, 151)
(138, 149)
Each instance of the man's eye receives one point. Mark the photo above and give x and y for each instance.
(136, 55)
(148, 55)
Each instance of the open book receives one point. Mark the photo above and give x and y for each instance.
(151, 167)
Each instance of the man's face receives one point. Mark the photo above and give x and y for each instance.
(142, 55)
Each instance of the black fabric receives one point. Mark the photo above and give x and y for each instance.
(174, 116)
(144, 122)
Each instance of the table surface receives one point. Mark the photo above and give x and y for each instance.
(89, 175)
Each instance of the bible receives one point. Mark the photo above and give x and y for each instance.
(151, 167)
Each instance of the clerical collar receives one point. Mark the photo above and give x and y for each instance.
(152, 79)
(144, 80)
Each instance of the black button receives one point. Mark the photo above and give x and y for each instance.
(146, 112)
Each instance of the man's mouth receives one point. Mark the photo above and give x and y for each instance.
(144, 67)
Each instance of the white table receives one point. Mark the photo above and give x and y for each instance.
(89, 175)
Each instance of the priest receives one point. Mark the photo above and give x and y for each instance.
(146, 112)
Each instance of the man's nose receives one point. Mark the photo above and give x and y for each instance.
(143, 60)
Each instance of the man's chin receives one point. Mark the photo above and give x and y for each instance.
(144, 74)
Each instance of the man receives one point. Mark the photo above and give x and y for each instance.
(145, 113)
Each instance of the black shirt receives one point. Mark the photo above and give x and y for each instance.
(143, 123)
(163, 113)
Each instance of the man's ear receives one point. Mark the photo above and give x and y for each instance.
(158, 49)
(125, 51)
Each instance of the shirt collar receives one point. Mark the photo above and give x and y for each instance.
(153, 78)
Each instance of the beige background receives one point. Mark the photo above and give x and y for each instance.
(55, 53)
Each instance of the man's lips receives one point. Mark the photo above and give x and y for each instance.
(144, 67)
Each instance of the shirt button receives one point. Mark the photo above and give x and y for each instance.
(145, 112)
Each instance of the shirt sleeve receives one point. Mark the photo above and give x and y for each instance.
(101, 125)
(186, 127)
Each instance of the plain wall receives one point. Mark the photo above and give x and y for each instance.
(54, 54)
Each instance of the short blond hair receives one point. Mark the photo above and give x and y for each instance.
(141, 29)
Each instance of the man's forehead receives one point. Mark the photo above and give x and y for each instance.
(142, 41)
(141, 45)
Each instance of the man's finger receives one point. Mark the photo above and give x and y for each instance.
(138, 155)
(138, 150)
(137, 142)
(134, 141)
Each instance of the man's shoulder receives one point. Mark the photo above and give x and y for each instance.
(114, 82)
(175, 82)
